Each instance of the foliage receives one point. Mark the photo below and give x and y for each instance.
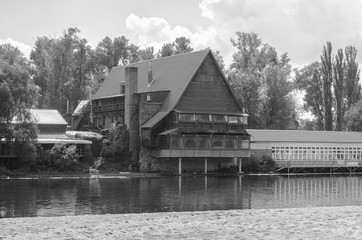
(64, 68)
(64, 158)
(115, 147)
(264, 164)
(326, 70)
(17, 94)
(316, 80)
(309, 80)
(180, 45)
(250, 165)
(353, 117)
(338, 80)
(261, 81)
(352, 72)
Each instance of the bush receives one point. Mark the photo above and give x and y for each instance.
(265, 164)
(250, 165)
(115, 149)
(64, 158)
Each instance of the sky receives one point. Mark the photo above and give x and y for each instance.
(298, 27)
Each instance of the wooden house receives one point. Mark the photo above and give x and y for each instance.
(178, 109)
(51, 130)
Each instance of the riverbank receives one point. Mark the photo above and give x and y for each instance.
(292, 223)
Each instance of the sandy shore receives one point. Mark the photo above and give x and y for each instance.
(301, 223)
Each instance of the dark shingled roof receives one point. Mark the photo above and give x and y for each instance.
(169, 73)
(259, 135)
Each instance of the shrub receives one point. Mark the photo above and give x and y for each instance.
(115, 147)
(65, 158)
(266, 164)
(250, 165)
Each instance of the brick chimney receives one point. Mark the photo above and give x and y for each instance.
(131, 117)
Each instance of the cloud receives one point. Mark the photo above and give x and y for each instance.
(155, 32)
(299, 27)
(24, 48)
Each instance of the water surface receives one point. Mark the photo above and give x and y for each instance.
(60, 197)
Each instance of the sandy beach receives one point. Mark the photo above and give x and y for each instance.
(294, 223)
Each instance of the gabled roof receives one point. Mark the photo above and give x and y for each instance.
(259, 135)
(47, 116)
(169, 73)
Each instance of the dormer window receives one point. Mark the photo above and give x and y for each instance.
(122, 88)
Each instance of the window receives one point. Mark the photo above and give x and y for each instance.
(148, 97)
(233, 119)
(204, 143)
(190, 143)
(175, 143)
(186, 117)
(217, 144)
(229, 144)
(123, 88)
(219, 118)
(244, 144)
(202, 117)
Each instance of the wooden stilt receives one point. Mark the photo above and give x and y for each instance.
(179, 166)
(205, 165)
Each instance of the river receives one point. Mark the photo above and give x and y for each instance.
(98, 195)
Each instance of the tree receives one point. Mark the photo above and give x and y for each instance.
(277, 102)
(64, 68)
(112, 53)
(147, 53)
(352, 117)
(134, 55)
(338, 76)
(18, 94)
(353, 88)
(182, 45)
(260, 81)
(116, 145)
(327, 78)
(309, 79)
(167, 50)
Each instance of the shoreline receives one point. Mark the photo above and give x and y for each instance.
(59, 175)
(284, 223)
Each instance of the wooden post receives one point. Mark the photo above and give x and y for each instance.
(179, 166)
(205, 165)
(240, 165)
(179, 185)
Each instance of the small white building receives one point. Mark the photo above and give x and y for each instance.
(308, 149)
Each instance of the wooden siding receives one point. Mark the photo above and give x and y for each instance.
(207, 92)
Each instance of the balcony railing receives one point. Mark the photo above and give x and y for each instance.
(193, 142)
(106, 107)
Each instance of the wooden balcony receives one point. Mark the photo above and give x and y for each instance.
(218, 146)
(106, 107)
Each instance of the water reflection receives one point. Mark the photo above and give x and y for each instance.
(319, 191)
(58, 197)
